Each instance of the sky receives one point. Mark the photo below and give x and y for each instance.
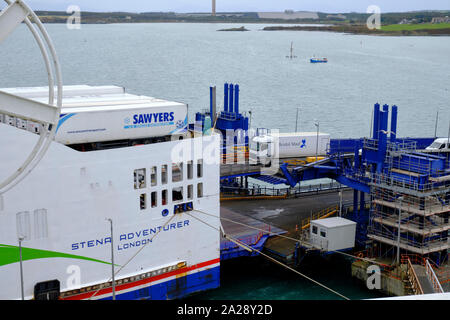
(240, 5)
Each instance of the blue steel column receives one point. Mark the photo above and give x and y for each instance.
(211, 102)
(355, 203)
(225, 98)
(230, 105)
(236, 99)
(376, 123)
(394, 123)
(357, 159)
(382, 141)
(361, 203)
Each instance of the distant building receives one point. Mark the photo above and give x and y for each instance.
(289, 15)
(207, 14)
(445, 19)
(406, 21)
(337, 16)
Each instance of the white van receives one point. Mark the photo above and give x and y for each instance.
(439, 144)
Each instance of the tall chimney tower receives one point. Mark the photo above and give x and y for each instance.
(213, 8)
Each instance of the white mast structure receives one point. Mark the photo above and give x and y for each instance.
(47, 115)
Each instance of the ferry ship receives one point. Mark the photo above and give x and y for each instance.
(115, 197)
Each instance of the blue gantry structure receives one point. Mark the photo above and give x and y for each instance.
(232, 124)
(401, 196)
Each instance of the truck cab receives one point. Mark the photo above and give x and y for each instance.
(261, 149)
(439, 144)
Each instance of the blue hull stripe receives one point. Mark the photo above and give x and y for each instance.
(176, 288)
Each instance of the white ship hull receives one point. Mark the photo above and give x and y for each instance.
(61, 209)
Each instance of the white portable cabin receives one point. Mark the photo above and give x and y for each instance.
(332, 234)
(105, 113)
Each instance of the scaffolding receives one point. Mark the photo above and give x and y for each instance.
(410, 203)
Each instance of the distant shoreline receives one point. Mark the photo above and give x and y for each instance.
(393, 24)
(351, 18)
(363, 30)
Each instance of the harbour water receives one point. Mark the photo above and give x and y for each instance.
(180, 62)
(260, 279)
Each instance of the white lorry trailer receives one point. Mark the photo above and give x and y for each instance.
(265, 148)
(105, 116)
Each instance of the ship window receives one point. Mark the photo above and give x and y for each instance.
(164, 174)
(164, 197)
(190, 191)
(154, 199)
(323, 233)
(40, 223)
(177, 194)
(190, 168)
(139, 178)
(177, 172)
(153, 176)
(199, 168)
(143, 201)
(23, 225)
(199, 190)
(314, 229)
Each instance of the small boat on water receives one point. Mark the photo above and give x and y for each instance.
(319, 60)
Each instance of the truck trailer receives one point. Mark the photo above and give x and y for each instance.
(105, 116)
(267, 147)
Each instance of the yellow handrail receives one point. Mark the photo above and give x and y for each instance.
(325, 213)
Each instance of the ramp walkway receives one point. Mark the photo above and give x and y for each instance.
(422, 277)
(239, 226)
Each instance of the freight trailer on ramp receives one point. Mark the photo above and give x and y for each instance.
(268, 147)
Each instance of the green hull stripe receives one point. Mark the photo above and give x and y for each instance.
(10, 254)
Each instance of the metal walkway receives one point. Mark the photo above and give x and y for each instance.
(422, 277)
(252, 237)
(233, 170)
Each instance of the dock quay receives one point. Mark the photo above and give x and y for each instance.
(412, 276)
(283, 217)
